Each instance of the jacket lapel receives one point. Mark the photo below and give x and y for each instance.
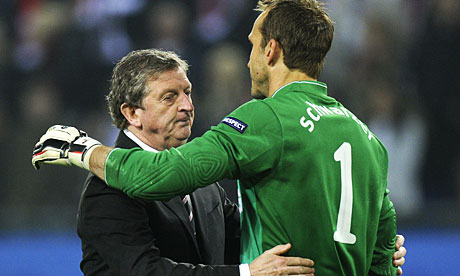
(177, 207)
(201, 218)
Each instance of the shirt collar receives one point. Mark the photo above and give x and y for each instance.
(138, 141)
(315, 87)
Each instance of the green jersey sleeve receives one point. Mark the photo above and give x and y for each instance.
(243, 144)
(386, 239)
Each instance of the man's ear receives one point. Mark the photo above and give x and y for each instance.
(131, 114)
(272, 51)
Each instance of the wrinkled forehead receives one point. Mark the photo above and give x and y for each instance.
(156, 73)
(174, 79)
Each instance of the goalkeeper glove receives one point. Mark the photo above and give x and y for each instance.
(64, 145)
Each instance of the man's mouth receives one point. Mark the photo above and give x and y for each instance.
(185, 120)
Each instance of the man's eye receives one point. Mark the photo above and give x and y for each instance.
(168, 98)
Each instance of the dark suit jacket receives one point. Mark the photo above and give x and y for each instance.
(125, 236)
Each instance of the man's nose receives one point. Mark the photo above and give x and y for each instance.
(185, 103)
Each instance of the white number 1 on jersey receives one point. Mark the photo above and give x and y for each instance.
(342, 234)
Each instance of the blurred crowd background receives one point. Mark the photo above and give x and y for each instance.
(394, 63)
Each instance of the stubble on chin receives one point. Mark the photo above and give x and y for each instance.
(261, 90)
(258, 96)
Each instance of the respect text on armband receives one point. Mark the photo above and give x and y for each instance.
(315, 112)
(235, 123)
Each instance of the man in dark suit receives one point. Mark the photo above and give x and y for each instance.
(150, 102)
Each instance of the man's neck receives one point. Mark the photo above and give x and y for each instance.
(138, 141)
(280, 78)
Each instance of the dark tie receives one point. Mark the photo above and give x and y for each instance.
(188, 207)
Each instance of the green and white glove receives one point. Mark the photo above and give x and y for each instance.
(64, 145)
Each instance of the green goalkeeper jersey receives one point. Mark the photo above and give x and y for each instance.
(310, 173)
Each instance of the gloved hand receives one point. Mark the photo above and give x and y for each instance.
(64, 145)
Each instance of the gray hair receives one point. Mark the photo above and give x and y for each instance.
(130, 76)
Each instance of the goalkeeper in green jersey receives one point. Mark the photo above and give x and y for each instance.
(310, 172)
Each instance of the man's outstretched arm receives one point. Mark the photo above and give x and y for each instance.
(138, 173)
(97, 160)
